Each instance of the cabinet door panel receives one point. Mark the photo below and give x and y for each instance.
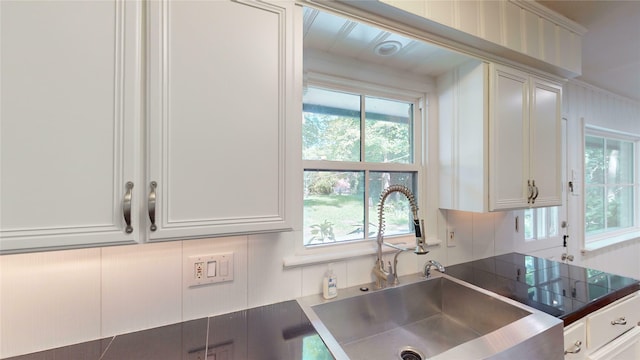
(217, 116)
(575, 341)
(509, 139)
(69, 80)
(546, 144)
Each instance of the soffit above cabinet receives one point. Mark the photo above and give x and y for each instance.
(344, 38)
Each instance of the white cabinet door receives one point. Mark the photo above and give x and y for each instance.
(508, 138)
(525, 141)
(546, 142)
(220, 91)
(575, 341)
(70, 75)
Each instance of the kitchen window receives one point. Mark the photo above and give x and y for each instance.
(355, 143)
(541, 223)
(611, 187)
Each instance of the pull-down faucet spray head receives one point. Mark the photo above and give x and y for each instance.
(420, 250)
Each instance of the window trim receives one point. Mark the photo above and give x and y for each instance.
(324, 253)
(613, 237)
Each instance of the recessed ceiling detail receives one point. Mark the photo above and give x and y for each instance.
(342, 38)
(387, 48)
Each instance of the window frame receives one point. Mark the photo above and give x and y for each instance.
(353, 248)
(612, 237)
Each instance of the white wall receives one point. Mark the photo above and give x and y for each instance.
(593, 106)
(53, 299)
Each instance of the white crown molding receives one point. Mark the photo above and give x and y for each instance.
(545, 12)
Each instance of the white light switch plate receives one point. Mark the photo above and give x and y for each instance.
(209, 269)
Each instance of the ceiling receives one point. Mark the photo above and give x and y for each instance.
(611, 46)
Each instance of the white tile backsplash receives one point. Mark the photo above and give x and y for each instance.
(219, 298)
(462, 225)
(49, 299)
(141, 287)
(483, 234)
(268, 283)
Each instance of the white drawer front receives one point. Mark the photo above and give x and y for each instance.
(605, 325)
(626, 347)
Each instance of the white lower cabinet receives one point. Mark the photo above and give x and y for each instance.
(575, 341)
(626, 347)
(609, 333)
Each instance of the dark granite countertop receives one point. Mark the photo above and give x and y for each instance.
(279, 331)
(566, 291)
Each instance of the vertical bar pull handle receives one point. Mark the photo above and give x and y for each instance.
(535, 194)
(530, 191)
(152, 206)
(126, 207)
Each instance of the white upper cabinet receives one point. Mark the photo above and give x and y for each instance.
(221, 88)
(204, 118)
(500, 139)
(524, 140)
(70, 106)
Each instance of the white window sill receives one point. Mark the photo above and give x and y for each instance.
(340, 254)
(604, 241)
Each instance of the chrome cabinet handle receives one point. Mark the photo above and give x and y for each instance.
(575, 348)
(152, 206)
(126, 207)
(530, 191)
(619, 321)
(535, 194)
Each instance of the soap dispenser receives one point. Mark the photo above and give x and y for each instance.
(329, 284)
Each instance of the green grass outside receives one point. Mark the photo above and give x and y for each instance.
(345, 212)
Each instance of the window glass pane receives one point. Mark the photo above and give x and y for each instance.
(609, 188)
(619, 162)
(619, 207)
(333, 206)
(528, 224)
(553, 218)
(330, 125)
(594, 160)
(541, 223)
(594, 215)
(388, 131)
(397, 210)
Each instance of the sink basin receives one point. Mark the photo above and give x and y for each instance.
(437, 318)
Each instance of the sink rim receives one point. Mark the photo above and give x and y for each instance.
(494, 342)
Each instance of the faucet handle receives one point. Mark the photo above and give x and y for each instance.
(430, 263)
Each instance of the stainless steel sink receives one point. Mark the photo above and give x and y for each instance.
(438, 318)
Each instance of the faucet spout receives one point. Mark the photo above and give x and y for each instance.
(378, 269)
(432, 263)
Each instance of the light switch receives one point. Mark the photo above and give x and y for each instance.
(224, 267)
(208, 269)
(211, 268)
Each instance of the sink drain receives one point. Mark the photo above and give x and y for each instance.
(409, 353)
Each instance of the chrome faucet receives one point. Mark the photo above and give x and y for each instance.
(432, 263)
(384, 277)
